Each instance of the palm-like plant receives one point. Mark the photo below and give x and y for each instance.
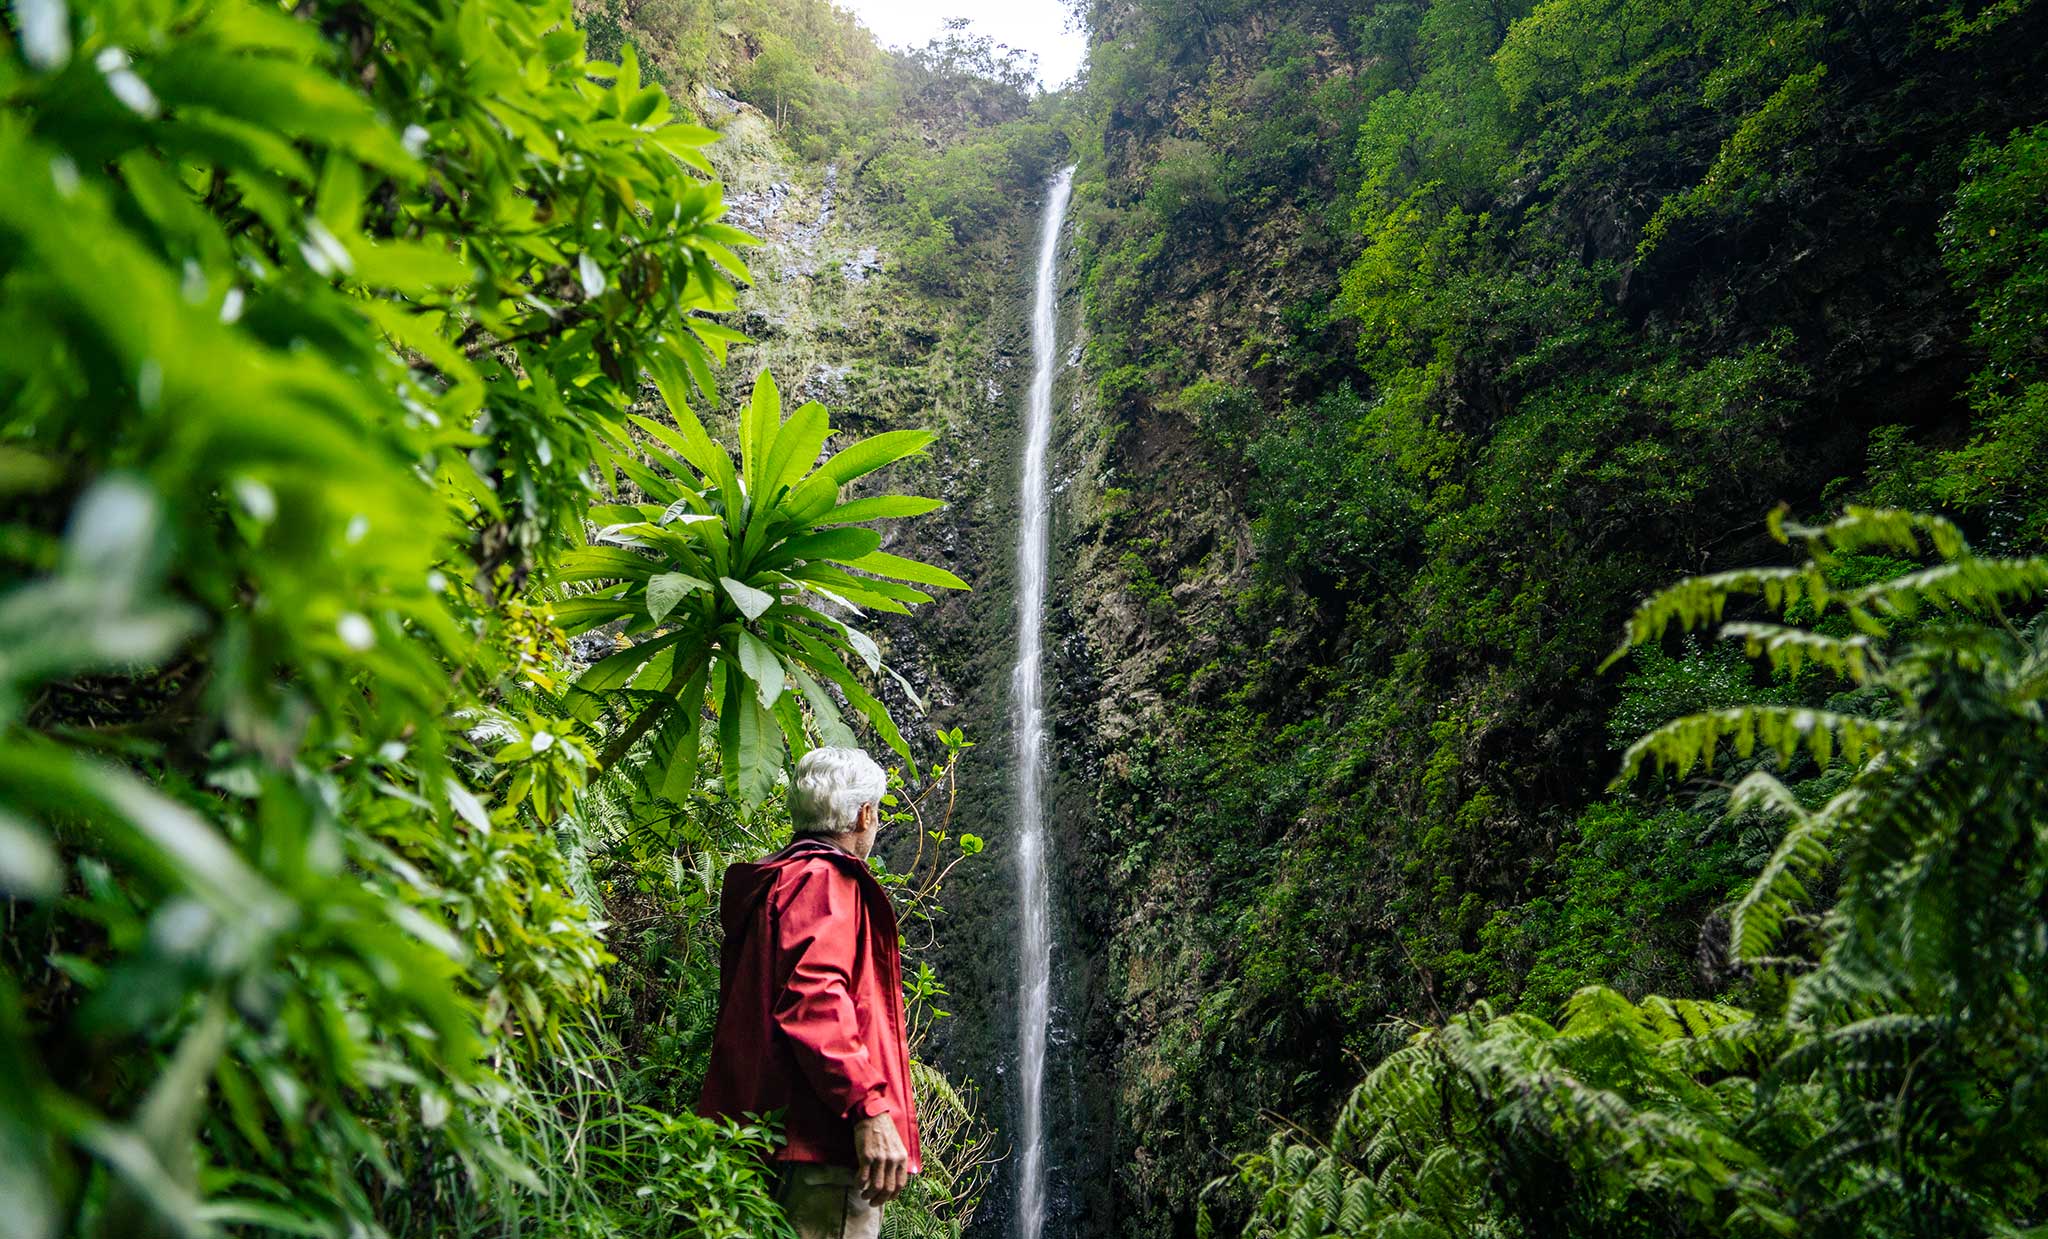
(725, 573)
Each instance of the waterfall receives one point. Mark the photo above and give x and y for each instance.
(1034, 988)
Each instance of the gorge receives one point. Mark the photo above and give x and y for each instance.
(1311, 394)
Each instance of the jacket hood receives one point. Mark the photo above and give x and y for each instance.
(748, 882)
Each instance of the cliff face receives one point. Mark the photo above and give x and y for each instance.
(1413, 358)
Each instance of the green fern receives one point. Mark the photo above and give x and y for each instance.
(1694, 740)
(1900, 1087)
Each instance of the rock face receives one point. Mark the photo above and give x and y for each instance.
(1308, 790)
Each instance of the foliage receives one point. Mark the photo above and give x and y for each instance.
(735, 552)
(1323, 513)
(324, 329)
(1495, 316)
(1996, 254)
(1610, 1123)
(1626, 904)
(1892, 1090)
(958, 1160)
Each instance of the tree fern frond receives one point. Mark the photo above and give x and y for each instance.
(1408, 1225)
(1841, 989)
(1789, 649)
(1447, 1180)
(1744, 1045)
(1970, 584)
(1694, 740)
(1699, 601)
(1877, 529)
(1759, 917)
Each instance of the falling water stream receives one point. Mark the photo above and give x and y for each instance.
(1027, 687)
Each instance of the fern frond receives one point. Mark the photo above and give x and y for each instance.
(1744, 1044)
(1684, 743)
(1680, 1019)
(1698, 601)
(1408, 1225)
(1759, 918)
(1447, 1180)
(1972, 585)
(1877, 529)
(1788, 649)
(1847, 986)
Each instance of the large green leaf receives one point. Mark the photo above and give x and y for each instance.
(656, 487)
(844, 544)
(871, 454)
(680, 740)
(617, 670)
(581, 614)
(690, 443)
(844, 587)
(882, 563)
(846, 637)
(832, 730)
(796, 448)
(826, 661)
(753, 603)
(749, 741)
(603, 563)
(760, 424)
(812, 498)
(761, 664)
(668, 589)
(879, 507)
(788, 714)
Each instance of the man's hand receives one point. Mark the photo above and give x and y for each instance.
(884, 1162)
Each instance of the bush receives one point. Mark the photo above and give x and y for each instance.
(323, 328)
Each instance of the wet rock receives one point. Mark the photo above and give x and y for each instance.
(755, 209)
(590, 646)
(717, 101)
(826, 384)
(866, 262)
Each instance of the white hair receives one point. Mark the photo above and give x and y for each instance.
(831, 788)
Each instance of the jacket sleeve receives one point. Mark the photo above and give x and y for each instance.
(817, 936)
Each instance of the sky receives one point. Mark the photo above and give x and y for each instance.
(1034, 25)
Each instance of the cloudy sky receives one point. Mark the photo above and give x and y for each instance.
(1034, 25)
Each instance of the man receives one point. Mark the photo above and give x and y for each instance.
(810, 1006)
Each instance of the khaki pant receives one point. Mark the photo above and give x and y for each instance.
(823, 1202)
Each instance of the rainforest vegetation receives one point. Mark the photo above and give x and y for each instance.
(1546, 643)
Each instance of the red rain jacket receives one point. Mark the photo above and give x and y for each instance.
(810, 1003)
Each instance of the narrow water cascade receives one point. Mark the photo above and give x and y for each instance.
(1034, 1007)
